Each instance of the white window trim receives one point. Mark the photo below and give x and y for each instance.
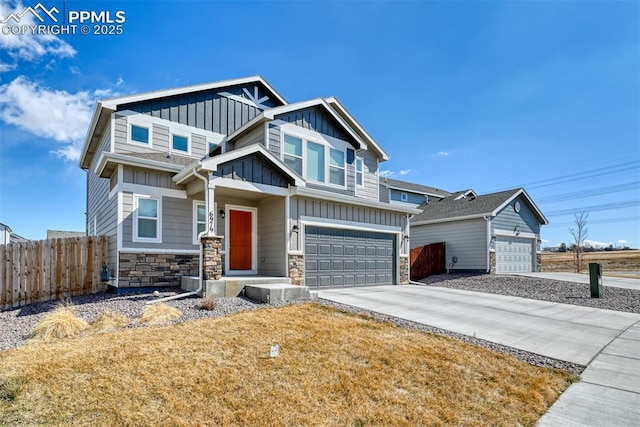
(343, 168)
(182, 135)
(195, 219)
(149, 127)
(134, 237)
(404, 197)
(301, 156)
(361, 160)
(306, 138)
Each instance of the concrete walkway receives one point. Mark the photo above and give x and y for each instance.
(562, 331)
(615, 282)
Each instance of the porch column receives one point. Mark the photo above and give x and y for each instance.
(211, 244)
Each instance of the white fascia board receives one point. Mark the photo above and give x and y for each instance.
(394, 187)
(160, 251)
(148, 190)
(457, 218)
(211, 164)
(123, 159)
(271, 113)
(113, 103)
(97, 110)
(325, 195)
(510, 233)
(334, 100)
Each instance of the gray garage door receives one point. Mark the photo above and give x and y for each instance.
(514, 255)
(338, 258)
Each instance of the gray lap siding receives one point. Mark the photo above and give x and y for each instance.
(507, 219)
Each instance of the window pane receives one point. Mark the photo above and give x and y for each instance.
(202, 213)
(148, 208)
(147, 228)
(359, 178)
(200, 228)
(336, 176)
(294, 163)
(180, 143)
(139, 134)
(359, 165)
(336, 158)
(292, 145)
(315, 162)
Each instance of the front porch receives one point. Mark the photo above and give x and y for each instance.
(266, 289)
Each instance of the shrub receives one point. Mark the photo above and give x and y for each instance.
(60, 323)
(208, 303)
(159, 313)
(109, 321)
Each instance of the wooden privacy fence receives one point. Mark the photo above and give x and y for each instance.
(427, 260)
(43, 270)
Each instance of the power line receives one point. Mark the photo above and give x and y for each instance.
(588, 193)
(595, 208)
(596, 221)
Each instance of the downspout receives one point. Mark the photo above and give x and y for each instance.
(488, 219)
(201, 258)
(409, 217)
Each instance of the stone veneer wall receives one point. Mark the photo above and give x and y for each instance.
(142, 270)
(213, 262)
(538, 262)
(404, 270)
(296, 269)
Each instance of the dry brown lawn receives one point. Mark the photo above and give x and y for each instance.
(613, 263)
(333, 369)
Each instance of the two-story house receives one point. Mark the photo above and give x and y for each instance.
(285, 190)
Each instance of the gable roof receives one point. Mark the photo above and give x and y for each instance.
(412, 187)
(453, 208)
(103, 108)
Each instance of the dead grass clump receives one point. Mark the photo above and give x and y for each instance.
(60, 323)
(108, 321)
(156, 314)
(208, 303)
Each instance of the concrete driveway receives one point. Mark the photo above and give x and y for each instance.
(607, 341)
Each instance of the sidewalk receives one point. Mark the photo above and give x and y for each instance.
(615, 282)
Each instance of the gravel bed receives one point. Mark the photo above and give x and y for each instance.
(17, 324)
(618, 299)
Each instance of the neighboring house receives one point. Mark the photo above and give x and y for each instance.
(408, 193)
(273, 189)
(496, 233)
(61, 234)
(7, 236)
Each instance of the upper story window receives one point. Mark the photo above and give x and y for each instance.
(146, 223)
(359, 172)
(180, 143)
(293, 153)
(404, 197)
(315, 161)
(140, 134)
(336, 167)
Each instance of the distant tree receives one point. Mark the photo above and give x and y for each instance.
(562, 247)
(609, 248)
(579, 233)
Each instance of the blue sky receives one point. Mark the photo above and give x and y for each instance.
(486, 95)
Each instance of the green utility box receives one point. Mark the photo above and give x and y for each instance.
(595, 279)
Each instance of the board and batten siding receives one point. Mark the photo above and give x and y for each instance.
(316, 119)
(177, 224)
(466, 240)
(148, 177)
(507, 219)
(321, 209)
(253, 168)
(99, 206)
(271, 237)
(205, 110)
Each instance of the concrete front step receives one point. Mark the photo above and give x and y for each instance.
(272, 293)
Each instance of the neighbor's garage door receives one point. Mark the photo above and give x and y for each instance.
(514, 255)
(339, 258)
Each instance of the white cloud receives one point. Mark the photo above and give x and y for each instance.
(75, 70)
(623, 242)
(386, 174)
(49, 113)
(120, 81)
(405, 172)
(443, 153)
(597, 244)
(28, 47)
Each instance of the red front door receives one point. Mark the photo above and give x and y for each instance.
(240, 248)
